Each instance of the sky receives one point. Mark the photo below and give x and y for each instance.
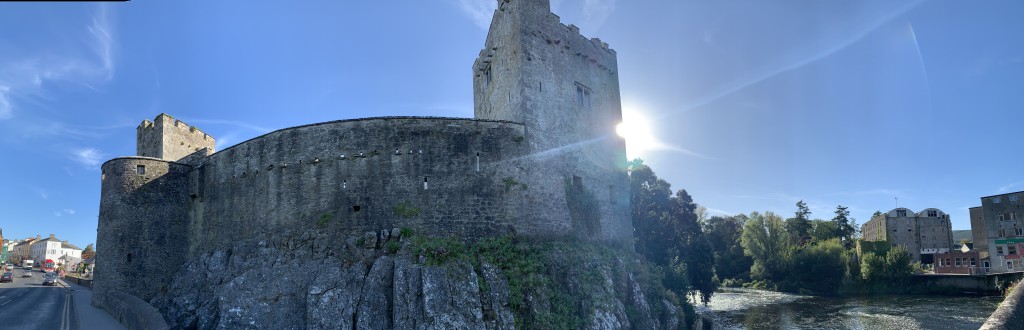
(750, 105)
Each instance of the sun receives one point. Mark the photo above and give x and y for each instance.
(637, 133)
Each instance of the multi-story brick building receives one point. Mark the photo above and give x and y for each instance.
(1002, 230)
(924, 233)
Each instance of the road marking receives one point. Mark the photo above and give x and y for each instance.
(64, 323)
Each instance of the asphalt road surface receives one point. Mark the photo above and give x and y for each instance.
(27, 304)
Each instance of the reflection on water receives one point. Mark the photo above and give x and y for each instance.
(756, 309)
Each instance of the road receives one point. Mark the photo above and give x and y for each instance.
(27, 304)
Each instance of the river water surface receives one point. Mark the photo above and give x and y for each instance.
(756, 309)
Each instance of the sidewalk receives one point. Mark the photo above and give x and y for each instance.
(89, 317)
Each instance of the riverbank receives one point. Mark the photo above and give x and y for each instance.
(757, 309)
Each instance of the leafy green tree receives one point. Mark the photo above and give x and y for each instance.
(88, 252)
(724, 235)
(799, 227)
(842, 221)
(819, 267)
(766, 241)
(823, 230)
(668, 233)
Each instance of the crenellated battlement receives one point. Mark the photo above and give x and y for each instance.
(168, 138)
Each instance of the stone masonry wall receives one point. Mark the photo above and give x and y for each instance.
(141, 233)
(171, 139)
(536, 66)
(437, 176)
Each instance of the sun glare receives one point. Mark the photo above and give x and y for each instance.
(637, 132)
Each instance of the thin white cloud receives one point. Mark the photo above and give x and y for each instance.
(89, 157)
(718, 211)
(64, 212)
(480, 11)
(39, 191)
(24, 78)
(1007, 187)
(242, 124)
(595, 12)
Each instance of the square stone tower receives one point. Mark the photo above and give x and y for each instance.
(564, 88)
(171, 139)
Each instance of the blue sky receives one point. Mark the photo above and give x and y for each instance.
(754, 104)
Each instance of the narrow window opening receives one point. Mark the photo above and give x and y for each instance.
(397, 152)
(510, 96)
(344, 184)
(424, 183)
(140, 169)
(478, 162)
(540, 86)
(487, 76)
(355, 208)
(129, 258)
(577, 181)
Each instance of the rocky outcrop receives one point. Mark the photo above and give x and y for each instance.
(309, 282)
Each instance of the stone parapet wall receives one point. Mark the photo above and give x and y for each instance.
(1010, 313)
(440, 176)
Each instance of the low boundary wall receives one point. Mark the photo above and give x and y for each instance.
(129, 310)
(1010, 313)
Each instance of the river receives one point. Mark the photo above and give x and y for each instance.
(756, 309)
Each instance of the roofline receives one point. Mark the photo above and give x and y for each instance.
(1009, 193)
(368, 119)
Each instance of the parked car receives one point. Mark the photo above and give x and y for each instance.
(50, 279)
(7, 277)
(26, 274)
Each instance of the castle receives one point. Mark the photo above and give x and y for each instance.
(540, 158)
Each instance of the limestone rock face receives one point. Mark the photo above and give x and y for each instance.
(306, 283)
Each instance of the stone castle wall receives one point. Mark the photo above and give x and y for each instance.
(438, 176)
(141, 235)
(171, 139)
(532, 70)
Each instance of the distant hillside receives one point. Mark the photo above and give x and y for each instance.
(961, 234)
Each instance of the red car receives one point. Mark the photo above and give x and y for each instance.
(7, 277)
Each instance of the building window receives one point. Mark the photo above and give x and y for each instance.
(947, 263)
(1002, 233)
(1011, 249)
(140, 169)
(583, 97)
(1013, 198)
(999, 250)
(940, 262)
(933, 213)
(973, 262)
(901, 213)
(957, 260)
(487, 76)
(1001, 218)
(995, 200)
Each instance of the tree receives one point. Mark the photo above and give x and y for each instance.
(766, 241)
(667, 232)
(724, 236)
(823, 230)
(842, 222)
(819, 267)
(88, 252)
(799, 227)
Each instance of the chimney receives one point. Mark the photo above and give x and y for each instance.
(53, 236)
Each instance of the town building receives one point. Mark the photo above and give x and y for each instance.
(924, 233)
(54, 249)
(1002, 230)
(959, 261)
(23, 250)
(978, 234)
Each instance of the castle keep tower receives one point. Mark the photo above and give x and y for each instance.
(565, 89)
(171, 139)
